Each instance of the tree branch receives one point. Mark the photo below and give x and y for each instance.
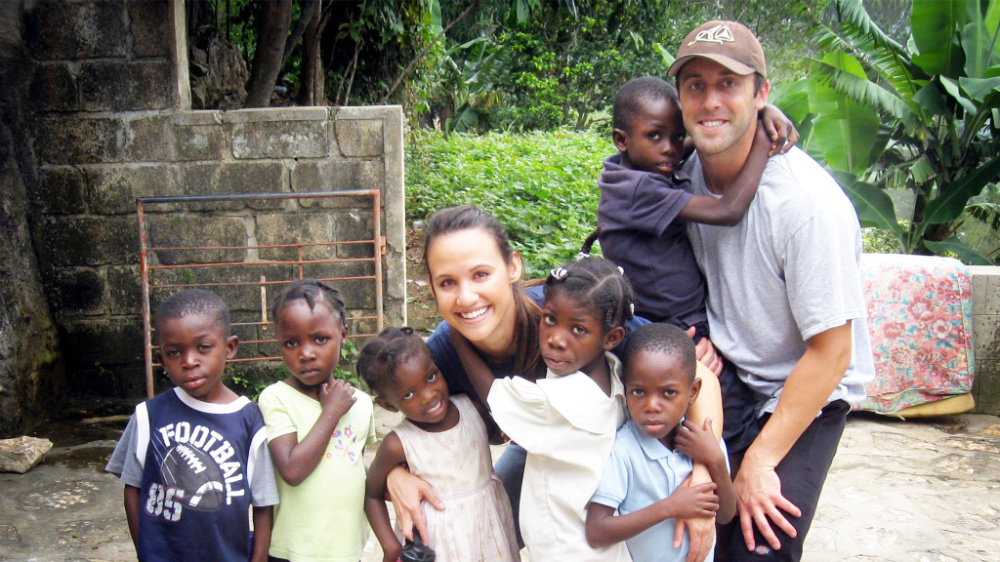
(423, 52)
(309, 6)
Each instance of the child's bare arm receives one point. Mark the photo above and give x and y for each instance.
(493, 433)
(779, 129)
(263, 519)
(475, 368)
(730, 208)
(390, 455)
(605, 528)
(699, 443)
(295, 460)
(132, 513)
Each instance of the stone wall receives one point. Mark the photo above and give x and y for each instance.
(986, 331)
(109, 125)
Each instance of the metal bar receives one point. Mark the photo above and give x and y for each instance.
(270, 323)
(251, 283)
(262, 247)
(147, 340)
(263, 300)
(378, 248)
(299, 249)
(246, 263)
(256, 196)
(146, 270)
(272, 357)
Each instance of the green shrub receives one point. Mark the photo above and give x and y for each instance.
(879, 241)
(542, 186)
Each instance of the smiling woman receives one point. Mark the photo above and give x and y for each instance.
(475, 276)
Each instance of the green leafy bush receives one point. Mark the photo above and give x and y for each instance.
(879, 241)
(542, 186)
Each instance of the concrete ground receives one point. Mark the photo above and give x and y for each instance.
(898, 491)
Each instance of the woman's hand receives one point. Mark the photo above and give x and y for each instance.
(405, 492)
(701, 532)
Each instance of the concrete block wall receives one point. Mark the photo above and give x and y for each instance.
(986, 330)
(107, 55)
(87, 234)
(106, 129)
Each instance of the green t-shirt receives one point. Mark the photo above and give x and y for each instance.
(321, 519)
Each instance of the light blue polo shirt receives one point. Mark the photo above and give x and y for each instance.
(642, 471)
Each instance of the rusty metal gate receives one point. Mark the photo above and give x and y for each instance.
(165, 269)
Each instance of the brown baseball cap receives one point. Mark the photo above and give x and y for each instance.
(728, 43)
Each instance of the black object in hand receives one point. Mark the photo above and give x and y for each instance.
(416, 551)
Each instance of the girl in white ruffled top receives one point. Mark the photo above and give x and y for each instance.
(444, 440)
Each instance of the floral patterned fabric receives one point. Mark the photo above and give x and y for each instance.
(920, 319)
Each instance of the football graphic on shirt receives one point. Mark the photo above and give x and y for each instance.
(195, 472)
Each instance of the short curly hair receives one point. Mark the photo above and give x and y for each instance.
(637, 91)
(193, 301)
(662, 338)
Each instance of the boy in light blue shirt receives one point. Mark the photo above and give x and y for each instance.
(654, 452)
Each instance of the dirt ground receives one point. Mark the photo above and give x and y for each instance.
(921, 490)
(421, 311)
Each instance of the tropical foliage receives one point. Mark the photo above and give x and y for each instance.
(473, 65)
(921, 115)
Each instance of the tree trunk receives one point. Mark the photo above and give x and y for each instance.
(276, 17)
(312, 79)
(309, 7)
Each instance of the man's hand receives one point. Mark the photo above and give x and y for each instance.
(704, 352)
(758, 489)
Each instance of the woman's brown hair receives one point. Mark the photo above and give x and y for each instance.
(528, 313)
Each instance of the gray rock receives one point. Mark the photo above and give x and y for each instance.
(218, 75)
(22, 453)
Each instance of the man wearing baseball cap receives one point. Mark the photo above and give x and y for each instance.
(784, 298)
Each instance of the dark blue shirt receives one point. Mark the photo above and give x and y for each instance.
(640, 233)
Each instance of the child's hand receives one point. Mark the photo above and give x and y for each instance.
(779, 129)
(337, 398)
(692, 502)
(699, 443)
(392, 555)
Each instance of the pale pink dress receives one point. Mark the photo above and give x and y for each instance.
(477, 523)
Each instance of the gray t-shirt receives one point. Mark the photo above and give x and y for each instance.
(786, 272)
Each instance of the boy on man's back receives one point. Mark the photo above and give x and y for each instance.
(644, 204)
(194, 459)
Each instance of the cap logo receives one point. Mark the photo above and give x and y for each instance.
(718, 34)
